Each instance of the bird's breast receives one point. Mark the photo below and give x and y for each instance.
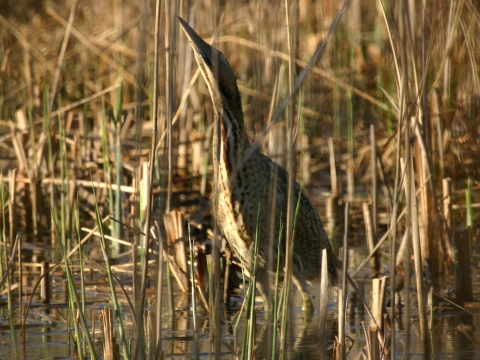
(231, 221)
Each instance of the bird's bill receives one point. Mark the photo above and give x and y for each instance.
(200, 47)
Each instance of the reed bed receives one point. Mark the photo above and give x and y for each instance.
(105, 173)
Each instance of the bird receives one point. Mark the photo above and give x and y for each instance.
(250, 190)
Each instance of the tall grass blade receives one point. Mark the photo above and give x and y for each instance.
(277, 304)
(116, 306)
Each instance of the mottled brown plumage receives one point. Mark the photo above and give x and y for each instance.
(249, 186)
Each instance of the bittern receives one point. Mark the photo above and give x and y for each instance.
(251, 191)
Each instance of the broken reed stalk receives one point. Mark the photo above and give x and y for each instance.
(332, 200)
(340, 344)
(323, 307)
(109, 343)
(463, 277)
(176, 252)
(367, 216)
(159, 302)
(378, 295)
(343, 291)
(45, 284)
(371, 335)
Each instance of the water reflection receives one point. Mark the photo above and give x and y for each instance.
(453, 335)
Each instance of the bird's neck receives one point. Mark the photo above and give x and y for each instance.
(230, 140)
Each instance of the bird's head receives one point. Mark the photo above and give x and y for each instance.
(216, 71)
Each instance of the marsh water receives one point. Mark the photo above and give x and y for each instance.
(454, 333)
